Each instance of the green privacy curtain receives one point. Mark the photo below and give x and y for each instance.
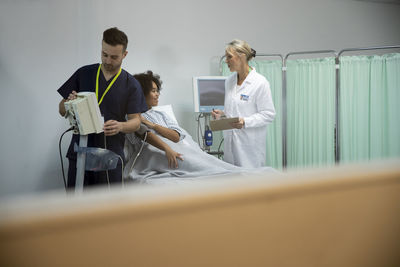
(310, 112)
(369, 107)
(272, 70)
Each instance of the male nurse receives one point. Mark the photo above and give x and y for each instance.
(120, 99)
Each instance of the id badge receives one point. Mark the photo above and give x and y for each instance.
(244, 97)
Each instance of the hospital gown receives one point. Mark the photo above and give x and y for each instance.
(151, 165)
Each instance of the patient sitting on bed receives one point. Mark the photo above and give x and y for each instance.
(169, 151)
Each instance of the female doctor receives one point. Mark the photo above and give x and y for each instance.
(247, 96)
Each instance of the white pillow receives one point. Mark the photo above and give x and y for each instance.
(167, 109)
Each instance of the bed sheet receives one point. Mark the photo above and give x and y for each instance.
(151, 167)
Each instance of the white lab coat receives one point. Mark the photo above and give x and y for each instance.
(252, 101)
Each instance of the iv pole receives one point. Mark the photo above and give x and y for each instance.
(80, 164)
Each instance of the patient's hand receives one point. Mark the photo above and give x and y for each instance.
(172, 157)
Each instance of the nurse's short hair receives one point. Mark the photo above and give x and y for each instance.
(145, 79)
(114, 36)
(240, 46)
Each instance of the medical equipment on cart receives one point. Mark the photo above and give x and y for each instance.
(208, 94)
(84, 116)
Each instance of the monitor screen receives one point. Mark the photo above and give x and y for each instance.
(209, 93)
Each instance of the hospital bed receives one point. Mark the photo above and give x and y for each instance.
(338, 216)
(148, 164)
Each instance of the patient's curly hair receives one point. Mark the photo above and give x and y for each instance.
(145, 80)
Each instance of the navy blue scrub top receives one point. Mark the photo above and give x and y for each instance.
(124, 97)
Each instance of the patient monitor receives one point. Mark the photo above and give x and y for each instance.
(208, 93)
(84, 114)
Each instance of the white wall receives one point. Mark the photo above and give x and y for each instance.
(42, 42)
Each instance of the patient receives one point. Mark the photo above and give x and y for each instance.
(169, 151)
(159, 122)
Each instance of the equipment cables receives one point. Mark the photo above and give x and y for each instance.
(62, 164)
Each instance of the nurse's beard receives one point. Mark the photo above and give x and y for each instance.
(111, 68)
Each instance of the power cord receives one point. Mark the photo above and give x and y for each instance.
(105, 147)
(219, 148)
(140, 151)
(122, 167)
(199, 131)
(62, 164)
(122, 171)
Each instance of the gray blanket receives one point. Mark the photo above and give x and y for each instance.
(151, 165)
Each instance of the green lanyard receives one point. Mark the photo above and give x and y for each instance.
(109, 86)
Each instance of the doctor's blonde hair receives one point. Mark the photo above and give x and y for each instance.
(240, 46)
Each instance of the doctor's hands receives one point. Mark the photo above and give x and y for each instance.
(172, 157)
(217, 114)
(239, 124)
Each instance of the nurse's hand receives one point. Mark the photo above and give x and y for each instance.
(112, 127)
(239, 124)
(217, 114)
(146, 122)
(72, 96)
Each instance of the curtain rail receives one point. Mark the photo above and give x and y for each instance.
(311, 52)
(368, 48)
(337, 95)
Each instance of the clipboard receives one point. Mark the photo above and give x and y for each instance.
(222, 124)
